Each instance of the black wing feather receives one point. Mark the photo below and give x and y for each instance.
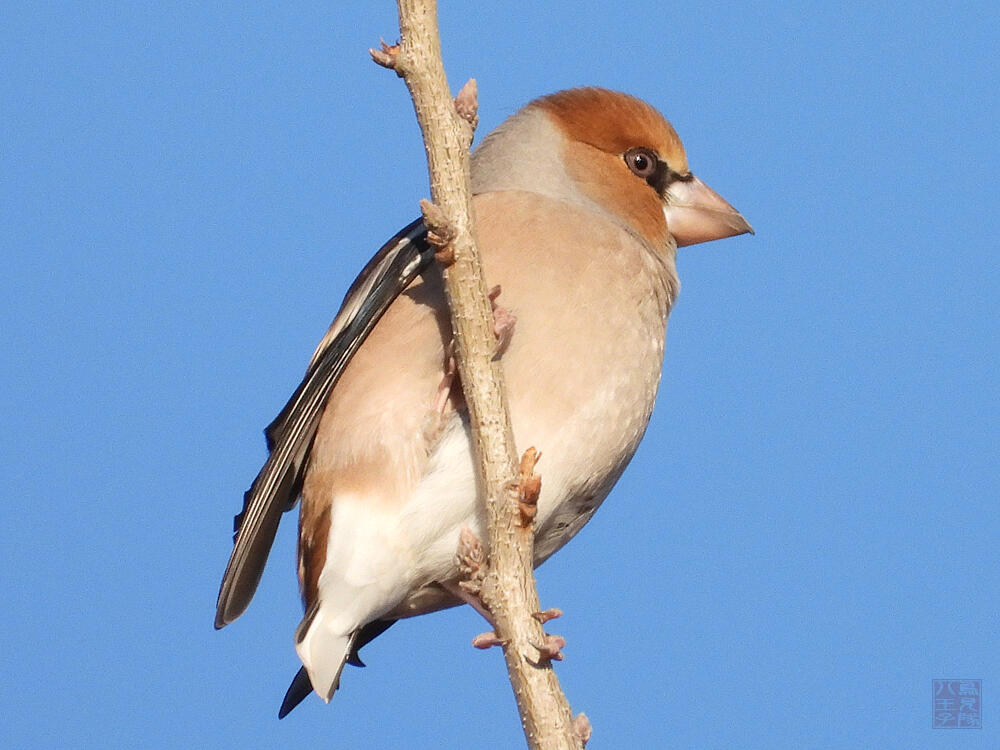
(290, 435)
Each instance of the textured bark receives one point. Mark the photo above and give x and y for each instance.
(508, 589)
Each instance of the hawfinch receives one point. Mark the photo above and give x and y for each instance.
(580, 200)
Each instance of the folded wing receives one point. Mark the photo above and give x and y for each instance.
(289, 437)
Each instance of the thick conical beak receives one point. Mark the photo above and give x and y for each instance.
(696, 213)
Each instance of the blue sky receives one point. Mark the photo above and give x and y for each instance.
(807, 536)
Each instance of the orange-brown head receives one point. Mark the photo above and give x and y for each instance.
(627, 158)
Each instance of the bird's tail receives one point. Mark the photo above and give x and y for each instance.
(323, 652)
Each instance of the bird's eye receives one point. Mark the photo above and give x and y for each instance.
(642, 161)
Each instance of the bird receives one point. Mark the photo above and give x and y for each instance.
(580, 201)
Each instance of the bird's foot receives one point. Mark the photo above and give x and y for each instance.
(471, 559)
(504, 322)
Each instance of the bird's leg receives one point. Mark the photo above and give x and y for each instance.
(447, 380)
(483, 640)
(442, 397)
(503, 322)
(472, 599)
(471, 559)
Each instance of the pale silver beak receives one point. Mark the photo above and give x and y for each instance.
(696, 213)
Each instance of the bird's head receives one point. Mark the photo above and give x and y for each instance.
(619, 154)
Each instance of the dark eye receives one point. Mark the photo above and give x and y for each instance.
(642, 161)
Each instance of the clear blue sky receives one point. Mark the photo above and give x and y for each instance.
(806, 538)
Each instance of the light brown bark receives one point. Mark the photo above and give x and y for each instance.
(508, 589)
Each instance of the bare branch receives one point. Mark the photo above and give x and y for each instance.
(507, 588)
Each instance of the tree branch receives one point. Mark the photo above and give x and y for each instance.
(507, 587)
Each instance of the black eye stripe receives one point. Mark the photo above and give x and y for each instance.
(663, 177)
(660, 179)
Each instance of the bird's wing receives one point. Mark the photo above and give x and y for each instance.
(290, 435)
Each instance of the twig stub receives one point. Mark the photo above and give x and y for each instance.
(441, 232)
(551, 648)
(467, 103)
(487, 640)
(387, 55)
(582, 727)
(546, 615)
(528, 488)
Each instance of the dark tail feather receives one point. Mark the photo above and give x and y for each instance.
(297, 692)
(368, 633)
(300, 688)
